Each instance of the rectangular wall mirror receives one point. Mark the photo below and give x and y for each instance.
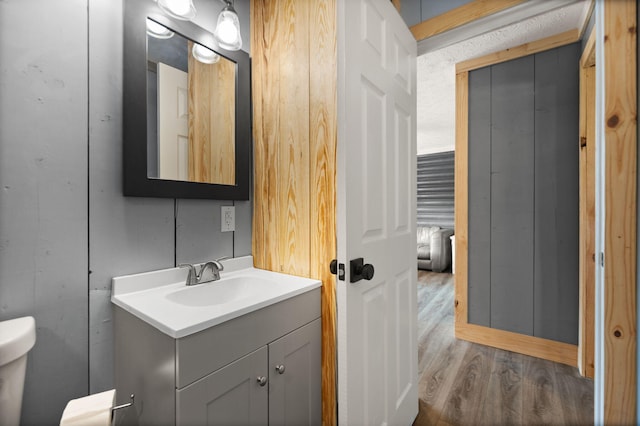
(187, 122)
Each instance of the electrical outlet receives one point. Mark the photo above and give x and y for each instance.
(228, 218)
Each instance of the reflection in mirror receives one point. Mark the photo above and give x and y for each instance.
(191, 100)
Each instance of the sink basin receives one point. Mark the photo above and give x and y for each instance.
(163, 300)
(227, 290)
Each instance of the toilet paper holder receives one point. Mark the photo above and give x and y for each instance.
(120, 407)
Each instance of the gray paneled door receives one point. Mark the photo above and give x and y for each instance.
(523, 195)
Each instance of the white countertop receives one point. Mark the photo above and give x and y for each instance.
(147, 296)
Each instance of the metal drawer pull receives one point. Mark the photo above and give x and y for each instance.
(262, 380)
(280, 368)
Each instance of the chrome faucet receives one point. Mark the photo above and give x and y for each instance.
(194, 278)
(215, 266)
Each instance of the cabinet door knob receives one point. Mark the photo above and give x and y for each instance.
(262, 380)
(280, 368)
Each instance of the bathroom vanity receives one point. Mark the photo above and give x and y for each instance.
(248, 353)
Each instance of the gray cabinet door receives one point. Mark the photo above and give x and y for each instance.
(229, 396)
(295, 377)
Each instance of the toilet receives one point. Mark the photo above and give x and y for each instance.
(17, 337)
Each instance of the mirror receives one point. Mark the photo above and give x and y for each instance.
(190, 110)
(187, 120)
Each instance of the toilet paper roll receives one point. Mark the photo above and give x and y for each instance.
(92, 410)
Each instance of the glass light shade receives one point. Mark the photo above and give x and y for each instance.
(179, 9)
(228, 29)
(158, 31)
(204, 54)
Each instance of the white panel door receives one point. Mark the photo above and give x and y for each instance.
(377, 337)
(173, 123)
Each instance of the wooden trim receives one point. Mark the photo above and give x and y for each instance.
(460, 16)
(620, 139)
(586, 333)
(461, 195)
(588, 58)
(551, 350)
(557, 40)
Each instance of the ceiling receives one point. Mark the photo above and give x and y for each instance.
(533, 20)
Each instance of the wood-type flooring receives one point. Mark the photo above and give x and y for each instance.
(463, 383)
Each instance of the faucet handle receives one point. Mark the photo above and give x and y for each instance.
(220, 265)
(192, 276)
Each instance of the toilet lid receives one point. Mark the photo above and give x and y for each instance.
(17, 337)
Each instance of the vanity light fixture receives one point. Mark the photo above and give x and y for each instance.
(158, 31)
(204, 54)
(179, 9)
(228, 28)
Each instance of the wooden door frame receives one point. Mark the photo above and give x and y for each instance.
(586, 333)
(616, 126)
(529, 345)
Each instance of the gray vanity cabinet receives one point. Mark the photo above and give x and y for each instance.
(295, 377)
(262, 368)
(278, 384)
(229, 396)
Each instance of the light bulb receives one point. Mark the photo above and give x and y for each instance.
(204, 54)
(228, 29)
(179, 9)
(158, 31)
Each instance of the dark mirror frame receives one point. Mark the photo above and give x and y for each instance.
(136, 182)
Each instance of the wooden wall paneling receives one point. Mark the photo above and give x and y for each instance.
(295, 132)
(528, 345)
(322, 190)
(461, 200)
(211, 120)
(556, 216)
(459, 16)
(479, 203)
(512, 192)
(293, 139)
(620, 273)
(266, 115)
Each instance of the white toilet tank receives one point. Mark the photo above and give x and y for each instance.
(17, 337)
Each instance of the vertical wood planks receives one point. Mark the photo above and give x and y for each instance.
(293, 140)
(480, 197)
(620, 273)
(211, 121)
(295, 131)
(556, 216)
(512, 203)
(265, 89)
(322, 191)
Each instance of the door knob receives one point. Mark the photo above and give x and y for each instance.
(280, 368)
(337, 268)
(262, 380)
(361, 270)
